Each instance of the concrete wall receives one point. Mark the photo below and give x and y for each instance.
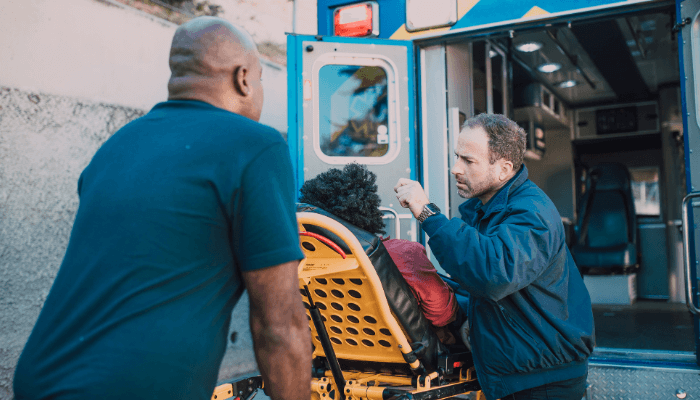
(269, 20)
(85, 49)
(45, 142)
(71, 74)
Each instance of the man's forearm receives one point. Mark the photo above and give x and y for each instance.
(283, 354)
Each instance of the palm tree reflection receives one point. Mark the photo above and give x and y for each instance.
(359, 128)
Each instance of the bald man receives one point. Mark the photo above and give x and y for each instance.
(179, 211)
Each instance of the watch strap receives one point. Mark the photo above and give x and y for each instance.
(427, 212)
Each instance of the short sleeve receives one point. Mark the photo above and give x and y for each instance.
(80, 184)
(265, 231)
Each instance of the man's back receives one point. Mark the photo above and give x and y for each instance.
(143, 299)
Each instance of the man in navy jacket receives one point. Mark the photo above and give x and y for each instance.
(530, 321)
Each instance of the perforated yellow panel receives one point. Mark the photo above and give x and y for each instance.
(343, 291)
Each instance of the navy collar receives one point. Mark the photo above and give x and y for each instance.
(185, 103)
(499, 200)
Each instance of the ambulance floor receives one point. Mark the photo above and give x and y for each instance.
(644, 325)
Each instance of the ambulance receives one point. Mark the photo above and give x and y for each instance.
(607, 93)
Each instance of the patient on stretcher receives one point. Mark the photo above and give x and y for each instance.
(351, 194)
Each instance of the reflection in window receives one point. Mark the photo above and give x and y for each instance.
(479, 77)
(645, 189)
(353, 111)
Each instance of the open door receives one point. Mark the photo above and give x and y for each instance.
(352, 100)
(688, 17)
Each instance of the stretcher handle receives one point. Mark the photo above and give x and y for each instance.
(689, 298)
(325, 241)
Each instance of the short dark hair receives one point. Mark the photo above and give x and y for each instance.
(507, 139)
(350, 194)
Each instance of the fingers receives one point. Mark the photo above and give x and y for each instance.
(403, 191)
(411, 195)
(403, 182)
(403, 197)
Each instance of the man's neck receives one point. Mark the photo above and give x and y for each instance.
(192, 95)
(486, 197)
(197, 88)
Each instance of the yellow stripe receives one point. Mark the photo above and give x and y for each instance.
(463, 7)
(534, 11)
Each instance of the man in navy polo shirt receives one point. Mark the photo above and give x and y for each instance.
(530, 322)
(179, 211)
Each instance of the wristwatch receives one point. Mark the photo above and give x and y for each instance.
(429, 209)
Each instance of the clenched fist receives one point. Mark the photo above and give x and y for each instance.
(411, 195)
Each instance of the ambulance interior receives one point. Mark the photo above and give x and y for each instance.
(591, 93)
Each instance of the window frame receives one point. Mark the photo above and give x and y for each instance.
(489, 78)
(393, 106)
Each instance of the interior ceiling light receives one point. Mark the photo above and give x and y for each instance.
(529, 47)
(567, 84)
(549, 67)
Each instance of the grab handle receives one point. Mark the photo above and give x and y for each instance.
(397, 223)
(689, 296)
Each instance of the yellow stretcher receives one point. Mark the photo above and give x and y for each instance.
(370, 339)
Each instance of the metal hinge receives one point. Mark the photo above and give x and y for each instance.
(679, 25)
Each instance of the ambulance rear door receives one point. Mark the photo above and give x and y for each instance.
(352, 100)
(688, 26)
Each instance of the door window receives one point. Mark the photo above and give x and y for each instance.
(496, 59)
(645, 189)
(479, 72)
(353, 111)
(488, 78)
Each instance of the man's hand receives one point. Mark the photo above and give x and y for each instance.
(411, 195)
(280, 331)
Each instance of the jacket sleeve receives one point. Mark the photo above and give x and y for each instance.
(508, 257)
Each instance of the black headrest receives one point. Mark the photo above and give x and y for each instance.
(612, 176)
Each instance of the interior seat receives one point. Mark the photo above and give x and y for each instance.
(605, 239)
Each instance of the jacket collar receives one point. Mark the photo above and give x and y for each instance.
(499, 201)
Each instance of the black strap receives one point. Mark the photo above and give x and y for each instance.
(583, 231)
(327, 345)
(419, 349)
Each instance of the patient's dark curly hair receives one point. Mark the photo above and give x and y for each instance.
(350, 194)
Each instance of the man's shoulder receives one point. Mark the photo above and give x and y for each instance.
(527, 195)
(529, 198)
(215, 121)
(227, 122)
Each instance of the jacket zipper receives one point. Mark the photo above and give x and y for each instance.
(505, 314)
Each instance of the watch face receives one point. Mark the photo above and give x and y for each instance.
(432, 208)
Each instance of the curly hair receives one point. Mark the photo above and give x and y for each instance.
(507, 139)
(350, 194)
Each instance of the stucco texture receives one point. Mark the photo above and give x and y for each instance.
(45, 142)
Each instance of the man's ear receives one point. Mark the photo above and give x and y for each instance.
(506, 169)
(240, 81)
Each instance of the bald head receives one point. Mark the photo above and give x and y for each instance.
(214, 61)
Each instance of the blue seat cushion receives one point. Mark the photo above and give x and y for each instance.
(619, 255)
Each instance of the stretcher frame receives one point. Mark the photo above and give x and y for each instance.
(345, 291)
